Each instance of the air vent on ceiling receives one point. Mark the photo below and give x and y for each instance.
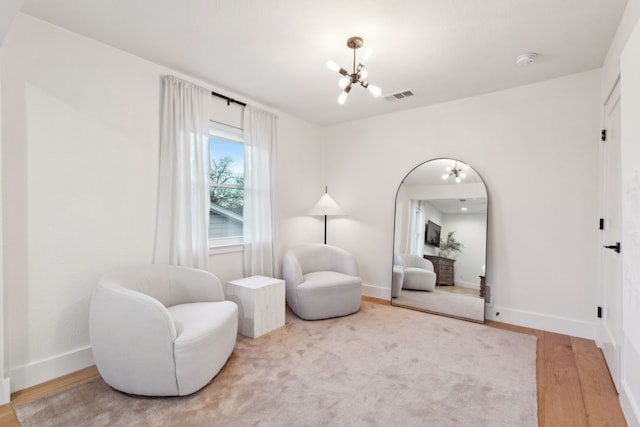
(399, 95)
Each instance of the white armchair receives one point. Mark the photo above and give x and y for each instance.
(418, 273)
(322, 281)
(161, 330)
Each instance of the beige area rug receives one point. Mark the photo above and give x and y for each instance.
(383, 366)
(450, 304)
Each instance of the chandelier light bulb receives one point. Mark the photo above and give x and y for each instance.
(344, 82)
(375, 90)
(445, 176)
(458, 179)
(463, 175)
(363, 74)
(342, 98)
(333, 66)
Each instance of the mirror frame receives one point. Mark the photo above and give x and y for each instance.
(486, 249)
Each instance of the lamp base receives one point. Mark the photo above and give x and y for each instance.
(325, 229)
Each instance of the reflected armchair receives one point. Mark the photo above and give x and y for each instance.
(418, 273)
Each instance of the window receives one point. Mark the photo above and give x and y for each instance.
(226, 151)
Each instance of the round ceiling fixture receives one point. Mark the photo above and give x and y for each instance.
(526, 59)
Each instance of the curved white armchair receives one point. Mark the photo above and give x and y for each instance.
(322, 281)
(161, 330)
(418, 273)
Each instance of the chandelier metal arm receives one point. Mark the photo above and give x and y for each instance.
(354, 60)
(356, 77)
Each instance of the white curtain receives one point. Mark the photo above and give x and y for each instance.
(183, 187)
(260, 141)
(416, 226)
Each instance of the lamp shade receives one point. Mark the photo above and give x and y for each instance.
(326, 206)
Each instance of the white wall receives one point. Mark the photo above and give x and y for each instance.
(8, 10)
(536, 148)
(80, 156)
(5, 384)
(470, 230)
(611, 65)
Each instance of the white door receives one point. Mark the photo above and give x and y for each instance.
(610, 259)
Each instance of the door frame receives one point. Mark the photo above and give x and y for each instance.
(601, 331)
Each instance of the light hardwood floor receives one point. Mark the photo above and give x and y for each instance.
(574, 385)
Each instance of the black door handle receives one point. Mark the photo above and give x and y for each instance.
(615, 247)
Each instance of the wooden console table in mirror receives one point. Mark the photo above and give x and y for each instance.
(443, 268)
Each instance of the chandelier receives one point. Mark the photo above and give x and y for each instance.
(456, 171)
(358, 75)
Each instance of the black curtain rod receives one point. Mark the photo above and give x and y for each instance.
(229, 100)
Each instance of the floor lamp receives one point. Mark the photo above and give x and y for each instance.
(326, 206)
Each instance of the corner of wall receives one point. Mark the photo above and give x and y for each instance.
(44, 370)
(629, 409)
(376, 291)
(611, 65)
(5, 391)
(542, 321)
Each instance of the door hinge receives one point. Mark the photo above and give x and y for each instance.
(601, 223)
(603, 135)
(617, 247)
(599, 312)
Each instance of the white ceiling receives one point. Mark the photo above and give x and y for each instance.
(274, 51)
(454, 206)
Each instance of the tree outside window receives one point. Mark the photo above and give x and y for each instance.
(226, 189)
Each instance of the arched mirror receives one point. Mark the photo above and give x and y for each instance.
(440, 240)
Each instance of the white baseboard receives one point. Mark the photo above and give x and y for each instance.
(54, 367)
(5, 391)
(376, 292)
(629, 389)
(561, 325)
(545, 322)
(468, 285)
(629, 408)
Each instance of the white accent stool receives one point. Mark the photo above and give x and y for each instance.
(261, 302)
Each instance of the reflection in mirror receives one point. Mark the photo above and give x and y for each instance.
(440, 240)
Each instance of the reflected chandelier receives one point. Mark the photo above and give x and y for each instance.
(358, 75)
(455, 170)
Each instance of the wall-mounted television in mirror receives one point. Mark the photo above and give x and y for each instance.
(432, 234)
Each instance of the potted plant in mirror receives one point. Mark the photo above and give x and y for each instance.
(450, 246)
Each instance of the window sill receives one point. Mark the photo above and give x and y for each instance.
(226, 248)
